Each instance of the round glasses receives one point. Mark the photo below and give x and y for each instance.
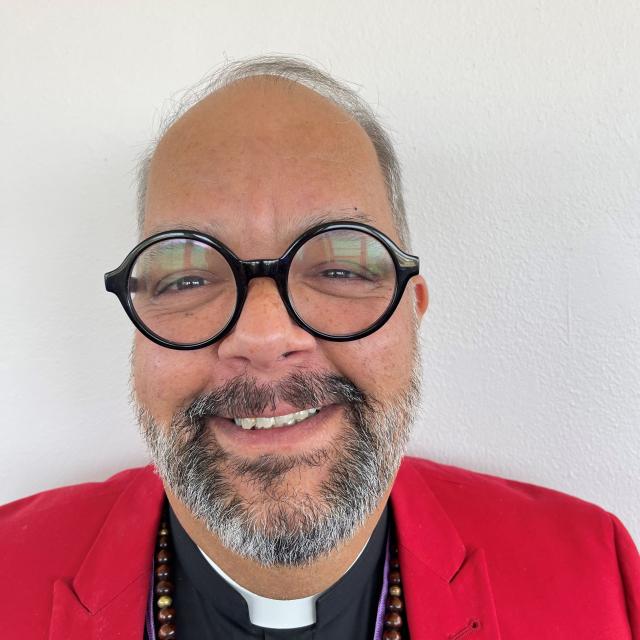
(185, 290)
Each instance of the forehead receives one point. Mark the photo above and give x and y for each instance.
(294, 225)
(264, 158)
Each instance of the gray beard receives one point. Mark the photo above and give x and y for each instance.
(285, 526)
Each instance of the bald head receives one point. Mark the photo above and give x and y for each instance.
(279, 99)
(260, 143)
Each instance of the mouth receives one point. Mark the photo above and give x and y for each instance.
(314, 428)
(275, 422)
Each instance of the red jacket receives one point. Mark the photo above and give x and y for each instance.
(481, 558)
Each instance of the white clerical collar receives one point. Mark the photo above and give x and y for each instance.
(276, 614)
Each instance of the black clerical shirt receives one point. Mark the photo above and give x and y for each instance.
(208, 608)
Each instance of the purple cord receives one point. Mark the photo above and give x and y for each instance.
(150, 627)
(383, 597)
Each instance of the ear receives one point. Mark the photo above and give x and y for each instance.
(421, 294)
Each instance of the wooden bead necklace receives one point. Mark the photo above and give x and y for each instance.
(165, 614)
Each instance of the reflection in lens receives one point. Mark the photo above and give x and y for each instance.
(342, 281)
(183, 290)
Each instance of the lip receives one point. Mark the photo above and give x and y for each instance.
(313, 433)
(280, 410)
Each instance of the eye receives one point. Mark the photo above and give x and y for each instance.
(183, 283)
(339, 274)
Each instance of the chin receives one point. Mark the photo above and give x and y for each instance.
(295, 492)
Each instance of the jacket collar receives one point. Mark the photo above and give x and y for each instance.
(446, 584)
(424, 529)
(109, 591)
(128, 532)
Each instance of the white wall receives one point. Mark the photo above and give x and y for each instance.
(517, 123)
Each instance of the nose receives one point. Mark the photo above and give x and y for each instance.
(265, 335)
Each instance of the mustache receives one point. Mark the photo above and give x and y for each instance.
(245, 396)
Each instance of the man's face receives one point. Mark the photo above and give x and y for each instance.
(255, 165)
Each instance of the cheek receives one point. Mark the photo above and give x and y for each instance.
(380, 363)
(165, 380)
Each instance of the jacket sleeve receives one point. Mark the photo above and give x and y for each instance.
(629, 566)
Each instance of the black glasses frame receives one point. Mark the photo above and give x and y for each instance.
(118, 280)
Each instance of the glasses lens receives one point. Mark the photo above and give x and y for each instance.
(183, 290)
(342, 281)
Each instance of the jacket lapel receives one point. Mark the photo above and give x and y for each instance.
(108, 596)
(446, 586)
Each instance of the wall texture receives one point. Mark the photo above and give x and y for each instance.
(517, 125)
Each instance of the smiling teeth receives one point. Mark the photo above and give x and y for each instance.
(276, 421)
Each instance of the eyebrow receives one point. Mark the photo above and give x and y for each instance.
(214, 228)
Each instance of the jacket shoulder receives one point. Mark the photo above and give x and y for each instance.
(65, 519)
(47, 537)
(544, 550)
(477, 498)
(65, 501)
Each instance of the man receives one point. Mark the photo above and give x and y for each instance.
(275, 369)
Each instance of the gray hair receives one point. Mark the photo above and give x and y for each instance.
(308, 75)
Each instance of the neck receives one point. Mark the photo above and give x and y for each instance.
(279, 583)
